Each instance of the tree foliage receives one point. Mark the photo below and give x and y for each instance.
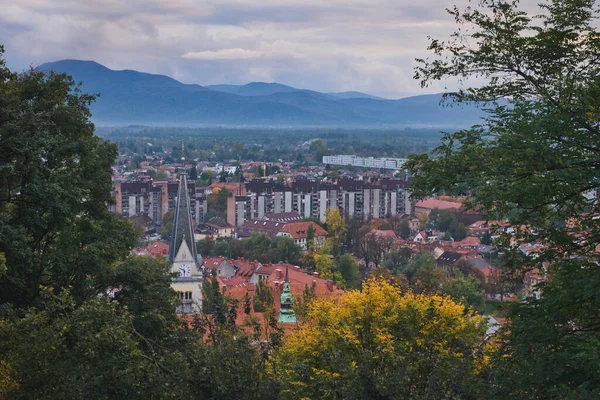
(380, 343)
(534, 160)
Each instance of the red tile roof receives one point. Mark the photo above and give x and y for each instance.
(430, 204)
(299, 230)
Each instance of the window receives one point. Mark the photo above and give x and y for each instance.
(185, 296)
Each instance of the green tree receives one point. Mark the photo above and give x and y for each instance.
(193, 173)
(206, 246)
(404, 229)
(533, 159)
(310, 237)
(65, 350)
(348, 267)
(319, 149)
(217, 202)
(486, 238)
(467, 290)
(166, 226)
(221, 248)
(55, 228)
(286, 249)
(263, 299)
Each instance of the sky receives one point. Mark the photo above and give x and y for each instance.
(324, 45)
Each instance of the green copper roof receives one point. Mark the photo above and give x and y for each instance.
(287, 313)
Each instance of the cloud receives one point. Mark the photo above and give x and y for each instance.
(326, 45)
(223, 54)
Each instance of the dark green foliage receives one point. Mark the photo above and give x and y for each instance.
(533, 160)
(265, 249)
(263, 299)
(310, 237)
(55, 181)
(486, 238)
(62, 350)
(347, 265)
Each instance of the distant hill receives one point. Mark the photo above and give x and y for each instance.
(254, 89)
(130, 97)
(354, 95)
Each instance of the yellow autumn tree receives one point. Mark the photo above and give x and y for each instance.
(336, 227)
(381, 343)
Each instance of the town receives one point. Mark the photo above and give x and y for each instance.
(252, 220)
(285, 200)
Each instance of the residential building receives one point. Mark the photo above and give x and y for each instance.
(312, 199)
(365, 162)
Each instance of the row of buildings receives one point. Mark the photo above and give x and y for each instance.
(312, 199)
(253, 200)
(155, 199)
(366, 162)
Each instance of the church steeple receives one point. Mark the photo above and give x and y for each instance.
(286, 312)
(183, 230)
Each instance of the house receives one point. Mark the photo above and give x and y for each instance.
(425, 206)
(299, 232)
(220, 227)
(426, 236)
(470, 242)
(223, 266)
(154, 249)
(448, 260)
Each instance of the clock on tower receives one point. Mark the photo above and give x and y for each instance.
(185, 270)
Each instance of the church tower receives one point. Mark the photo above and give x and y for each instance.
(286, 312)
(182, 252)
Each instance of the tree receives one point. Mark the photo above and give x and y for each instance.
(217, 202)
(286, 249)
(404, 229)
(93, 350)
(221, 248)
(310, 237)
(263, 299)
(486, 238)
(193, 173)
(467, 290)
(348, 267)
(318, 149)
(55, 228)
(336, 227)
(166, 226)
(533, 159)
(371, 344)
(206, 246)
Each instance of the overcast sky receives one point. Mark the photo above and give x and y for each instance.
(325, 45)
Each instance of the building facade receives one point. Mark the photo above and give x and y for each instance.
(156, 198)
(365, 162)
(312, 199)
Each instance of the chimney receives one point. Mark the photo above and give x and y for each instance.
(330, 285)
(279, 273)
(316, 274)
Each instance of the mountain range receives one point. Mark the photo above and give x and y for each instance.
(132, 97)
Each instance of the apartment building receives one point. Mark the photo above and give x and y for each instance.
(155, 199)
(312, 199)
(366, 162)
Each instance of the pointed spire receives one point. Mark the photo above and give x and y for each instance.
(183, 155)
(183, 230)
(286, 311)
